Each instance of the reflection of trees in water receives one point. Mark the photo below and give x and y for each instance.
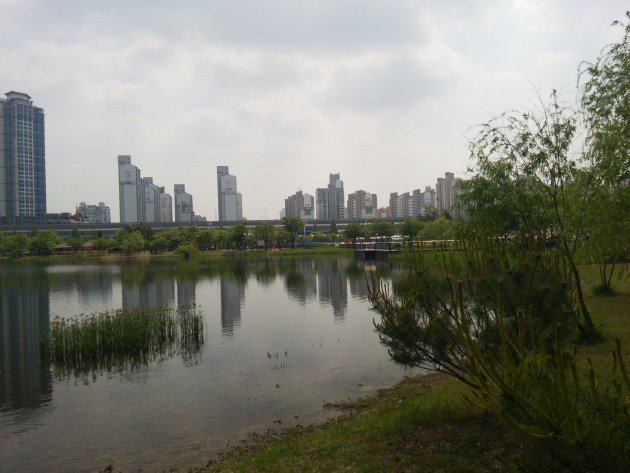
(360, 272)
(266, 271)
(25, 380)
(93, 284)
(357, 274)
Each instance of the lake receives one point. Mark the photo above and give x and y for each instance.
(282, 337)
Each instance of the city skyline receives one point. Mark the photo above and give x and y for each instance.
(142, 201)
(387, 94)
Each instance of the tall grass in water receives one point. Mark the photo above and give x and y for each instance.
(120, 340)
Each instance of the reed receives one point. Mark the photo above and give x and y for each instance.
(120, 340)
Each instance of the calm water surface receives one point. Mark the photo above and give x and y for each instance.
(281, 338)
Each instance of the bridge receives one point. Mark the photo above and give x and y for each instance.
(376, 250)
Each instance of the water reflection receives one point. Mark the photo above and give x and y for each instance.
(232, 299)
(357, 278)
(174, 413)
(186, 292)
(300, 280)
(151, 292)
(89, 285)
(332, 286)
(26, 291)
(25, 380)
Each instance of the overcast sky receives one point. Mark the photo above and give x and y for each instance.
(284, 92)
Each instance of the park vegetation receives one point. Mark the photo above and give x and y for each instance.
(506, 313)
(189, 240)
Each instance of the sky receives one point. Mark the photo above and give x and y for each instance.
(387, 93)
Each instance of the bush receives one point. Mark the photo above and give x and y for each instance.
(186, 249)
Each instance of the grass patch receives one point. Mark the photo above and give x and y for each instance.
(421, 424)
(123, 339)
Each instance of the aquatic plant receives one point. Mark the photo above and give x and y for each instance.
(120, 340)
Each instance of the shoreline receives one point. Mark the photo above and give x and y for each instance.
(201, 256)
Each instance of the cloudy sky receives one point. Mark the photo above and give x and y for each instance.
(284, 92)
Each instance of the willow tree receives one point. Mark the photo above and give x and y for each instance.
(605, 101)
(528, 180)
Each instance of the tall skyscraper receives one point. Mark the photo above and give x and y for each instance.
(22, 161)
(336, 199)
(183, 204)
(130, 191)
(166, 206)
(230, 200)
(330, 200)
(321, 202)
(446, 195)
(151, 200)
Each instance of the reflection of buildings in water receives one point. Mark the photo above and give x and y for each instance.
(232, 298)
(25, 380)
(185, 292)
(149, 293)
(301, 280)
(358, 274)
(332, 285)
(95, 287)
(359, 287)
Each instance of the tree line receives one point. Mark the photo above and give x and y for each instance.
(190, 239)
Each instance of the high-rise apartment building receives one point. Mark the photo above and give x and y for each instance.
(393, 205)
(299, 205)
(230, 200)
(94, 213)
(166, 206)
(22, 161)
(183, 204)
(362, 205)
(330, 201)
(424, 203)
(412, 205)
(151, 200)
(336, 200)
(446, 193)
(130, 191)
(321, 202)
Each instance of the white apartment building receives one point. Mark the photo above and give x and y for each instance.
(166, 206)
(151, 200)
(130, 191)
(229, 199)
